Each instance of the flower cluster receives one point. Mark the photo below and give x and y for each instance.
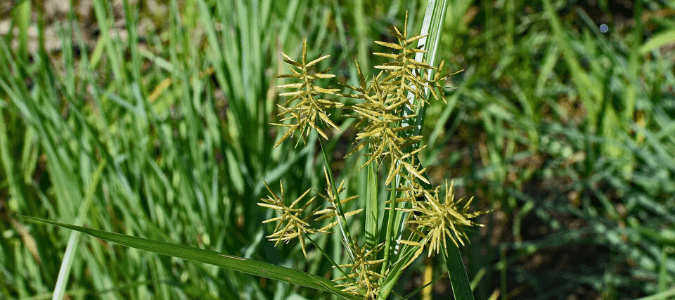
(292, 224)
(389, 106)
(387, 110)
(298, 222)
(436, 221)
(363, 279)
(305, 105)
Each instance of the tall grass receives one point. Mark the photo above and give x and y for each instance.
(181, 121)
(553, 119)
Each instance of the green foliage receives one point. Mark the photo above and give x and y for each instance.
(553, 117)
(563, 131)
(212, 258)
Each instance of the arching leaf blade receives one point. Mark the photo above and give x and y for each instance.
(248, 266)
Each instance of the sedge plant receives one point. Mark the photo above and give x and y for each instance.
(389, 109)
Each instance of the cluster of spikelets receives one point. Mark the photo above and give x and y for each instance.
(385, 111)
(309, 108)
(436, 221)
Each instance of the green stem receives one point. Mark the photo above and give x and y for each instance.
(71, 249)
(390, 227)
(342, 220)
(372, 208)
(335, 265)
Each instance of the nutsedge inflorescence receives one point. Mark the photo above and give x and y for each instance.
(386, 111)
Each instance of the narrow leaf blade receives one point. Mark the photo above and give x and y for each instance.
(244, 265)
(372, 208)
(458, 278)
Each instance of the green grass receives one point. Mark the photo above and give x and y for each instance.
(556, 119)
(566, 132)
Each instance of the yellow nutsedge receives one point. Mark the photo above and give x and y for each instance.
(435, 221)
(305, 109)
(332, 198)
(365, 280)
(292, 224)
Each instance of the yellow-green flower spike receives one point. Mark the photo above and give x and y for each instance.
(305, 109)
(291, 222)
(363, 272)
(435, 221)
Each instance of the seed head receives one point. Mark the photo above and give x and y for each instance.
(437, 221)
(387, 112)
(292, 224)
(331, 212)
(365, 278)
(305, 109)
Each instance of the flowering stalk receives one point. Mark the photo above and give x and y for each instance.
(385, 111)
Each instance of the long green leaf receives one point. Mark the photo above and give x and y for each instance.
(660, 296)
(71, 249)
(657, 41)
(244, 265)
(433, 20)
(372, 208)
(395, 273)
(458, 278)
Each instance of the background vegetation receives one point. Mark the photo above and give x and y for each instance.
(566, 132)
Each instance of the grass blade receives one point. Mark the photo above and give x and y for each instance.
(458, 278)
(71, 249)
(248, 266)
(395, 273)
(657, 41)
(372, 208)
(433, 25)
(660, 296)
